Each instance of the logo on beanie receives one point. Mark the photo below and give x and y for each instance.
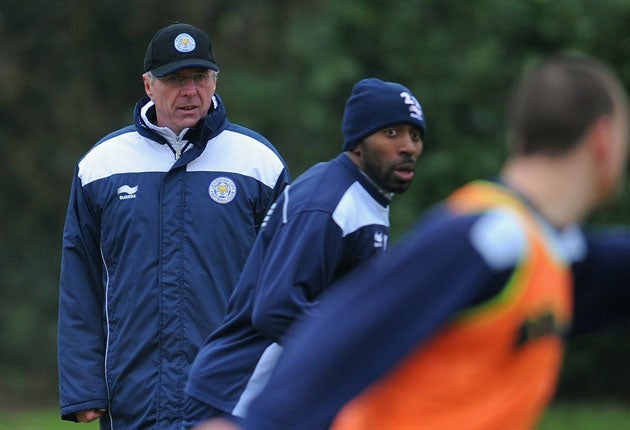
(184, 42)
(415, 110)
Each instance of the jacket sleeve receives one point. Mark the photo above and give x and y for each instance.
(271, 195)
(365, 325)
(81, 333)
(298, 265)
(602, 281)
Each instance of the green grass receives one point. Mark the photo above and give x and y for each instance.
(46, 419)
(586, 416)
(560, 416)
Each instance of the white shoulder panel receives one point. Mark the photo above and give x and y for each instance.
(357, 208)
(499, 238)
(125, 153)
(237, 153)
(571, 244)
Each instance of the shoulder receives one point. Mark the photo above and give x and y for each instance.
(239, 150)
(319, 188)
(111, 141)
(251, 137)
(330, 188)
(113, 136)
(494, 235)
(108, 151)
(499, 238)
(236, 128)
(357, 208)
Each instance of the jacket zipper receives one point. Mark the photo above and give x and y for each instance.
(178, 148)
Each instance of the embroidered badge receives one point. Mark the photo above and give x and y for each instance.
(222, 190)
(184, 42)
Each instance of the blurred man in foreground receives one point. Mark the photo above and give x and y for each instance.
(463, 324)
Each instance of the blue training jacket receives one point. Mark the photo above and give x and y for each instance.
(328, 222)
(152, 248)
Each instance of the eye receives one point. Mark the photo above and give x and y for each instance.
(173, 79)
(390, 132)
(201, 78)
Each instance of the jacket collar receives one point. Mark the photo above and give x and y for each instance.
(364, 180)
(207, 128)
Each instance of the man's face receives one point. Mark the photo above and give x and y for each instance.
(389, 156)
(181, 98)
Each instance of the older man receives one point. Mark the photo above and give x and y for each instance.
(162, 216)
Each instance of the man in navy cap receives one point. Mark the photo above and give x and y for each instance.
(327, 223)
(161, 218)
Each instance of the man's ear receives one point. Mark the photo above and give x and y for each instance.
(356, 149)
(147, 86)
(600, 137)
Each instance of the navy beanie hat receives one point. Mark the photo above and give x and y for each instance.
(376, 104)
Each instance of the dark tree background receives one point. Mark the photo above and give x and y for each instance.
(70, 73)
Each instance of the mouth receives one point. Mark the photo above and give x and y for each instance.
(188, 108)
(405, 172)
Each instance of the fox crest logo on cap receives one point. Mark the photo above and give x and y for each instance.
(184, 42)
(178, 46)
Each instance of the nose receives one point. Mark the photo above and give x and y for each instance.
(409, 146)
(189, 86)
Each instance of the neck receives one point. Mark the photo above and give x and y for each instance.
(387, 194)
(357, 162)
(561, 189)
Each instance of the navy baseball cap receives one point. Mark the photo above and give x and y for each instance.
(177, 46)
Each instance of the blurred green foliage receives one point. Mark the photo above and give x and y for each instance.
(70, 73)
